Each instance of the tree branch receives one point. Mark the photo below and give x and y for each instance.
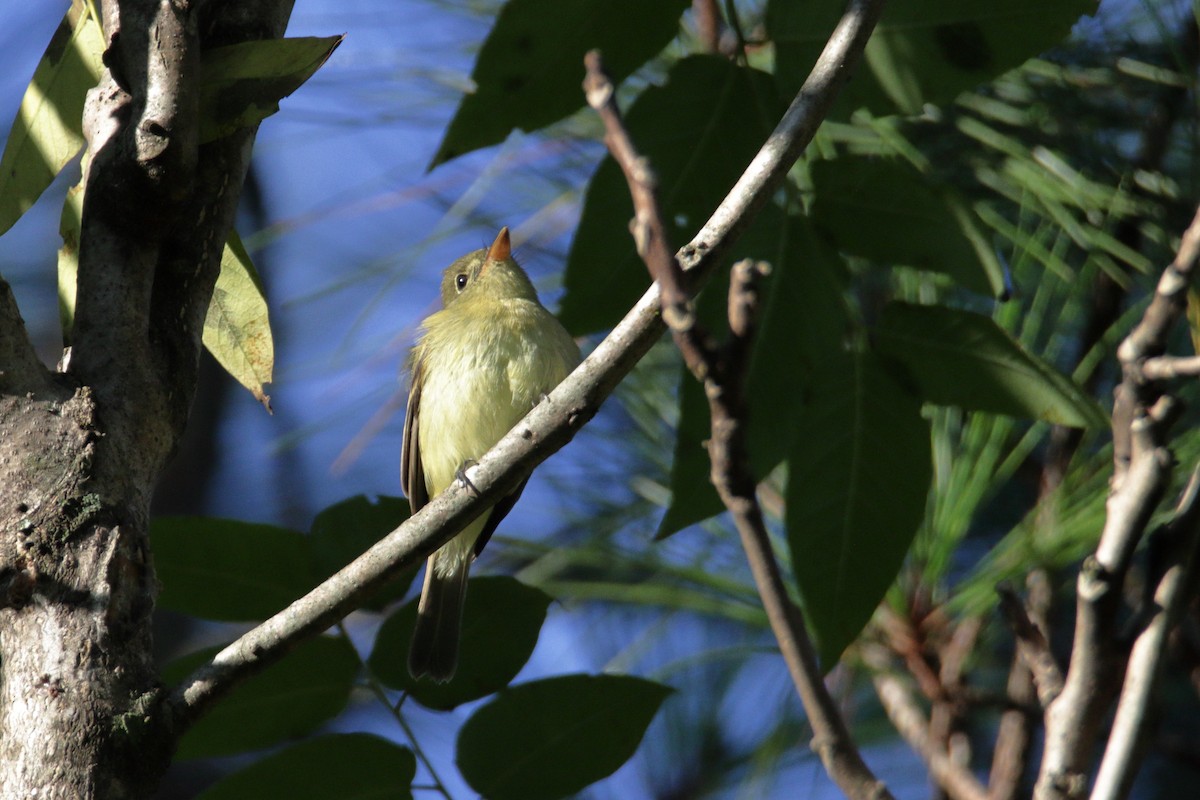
(1031, 646)
(1127, 739)
(553, 422)
(904, 713)
(1142, 462)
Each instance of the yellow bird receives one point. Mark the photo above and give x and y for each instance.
(479, 365)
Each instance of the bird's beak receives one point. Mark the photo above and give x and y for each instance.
(501, 248)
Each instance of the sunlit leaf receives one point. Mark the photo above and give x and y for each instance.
(350, 766)
(48, 130)
(964, 359)
(228, 570)
(858, 475)
(501, 623)
(291, 698)
(699, 132)
(236, 330)
(241, 84)
(551, 738)
(529, 72)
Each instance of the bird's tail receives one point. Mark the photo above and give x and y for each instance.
(434, 649)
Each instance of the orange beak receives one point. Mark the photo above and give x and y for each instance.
(500, 249)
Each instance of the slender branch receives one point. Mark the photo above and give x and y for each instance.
(555, 421)
(722, 372)
(902, 709)
(1142, 464)
(1166, 368)
(1127, 741)
(1032, 646)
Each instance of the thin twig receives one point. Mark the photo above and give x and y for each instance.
(553, 423)
(1166, 368)
(1031, 646)
(1127, 741)
(722, 372)
(902, 709)
(1142, 463)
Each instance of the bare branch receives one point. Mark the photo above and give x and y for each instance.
(1031, 646)
(1142, 464)
(1166, 368)
(904, 713)
(1127, 740)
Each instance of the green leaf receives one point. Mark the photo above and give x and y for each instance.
(289, 699)
(884, 210)
(803, 321)
(345, 530)
(698, 131)
(242, 84)
(922, 51)
(858, 476)
(529, 72)
(48, 130)
(228, 570)
(501, 623)
(551, 738)
(69, 226)
(959, 358)
(351, 766)
(236, 329)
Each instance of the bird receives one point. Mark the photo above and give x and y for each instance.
(478, 366)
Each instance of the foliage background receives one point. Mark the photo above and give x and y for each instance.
(349, 231)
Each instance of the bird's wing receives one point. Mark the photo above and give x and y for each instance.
(412, 476)
(498, 513)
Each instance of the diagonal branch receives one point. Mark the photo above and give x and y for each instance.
(555, 421)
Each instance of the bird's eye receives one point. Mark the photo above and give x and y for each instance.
(460, 281)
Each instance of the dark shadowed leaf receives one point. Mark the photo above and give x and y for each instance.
(803, 321)
(529, 72)
(351, 766)
(228, 570)
(858, 475)
(922, 51)
(291, 698)
(501, 623)
(236, 329)
(345, 530)
(963, 359)
(884, 210)
(242, 84)
(699, 132)
(48, 130)
(551, 738)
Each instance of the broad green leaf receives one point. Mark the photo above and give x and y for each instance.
(349, 766)
(48, 130)
(236, 329)
(501, 623)
(803, 321)
(884, 210)
(858, 475)
(242, 84)
(69, 226)
(345, 530)
(289, 699)
(699, 132)
(529, 72)
(963, 359)
(922, 51)
(551, 738)
(228, 570)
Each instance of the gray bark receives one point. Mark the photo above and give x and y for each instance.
(81, 449)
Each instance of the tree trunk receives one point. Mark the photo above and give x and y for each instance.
(82, 448)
